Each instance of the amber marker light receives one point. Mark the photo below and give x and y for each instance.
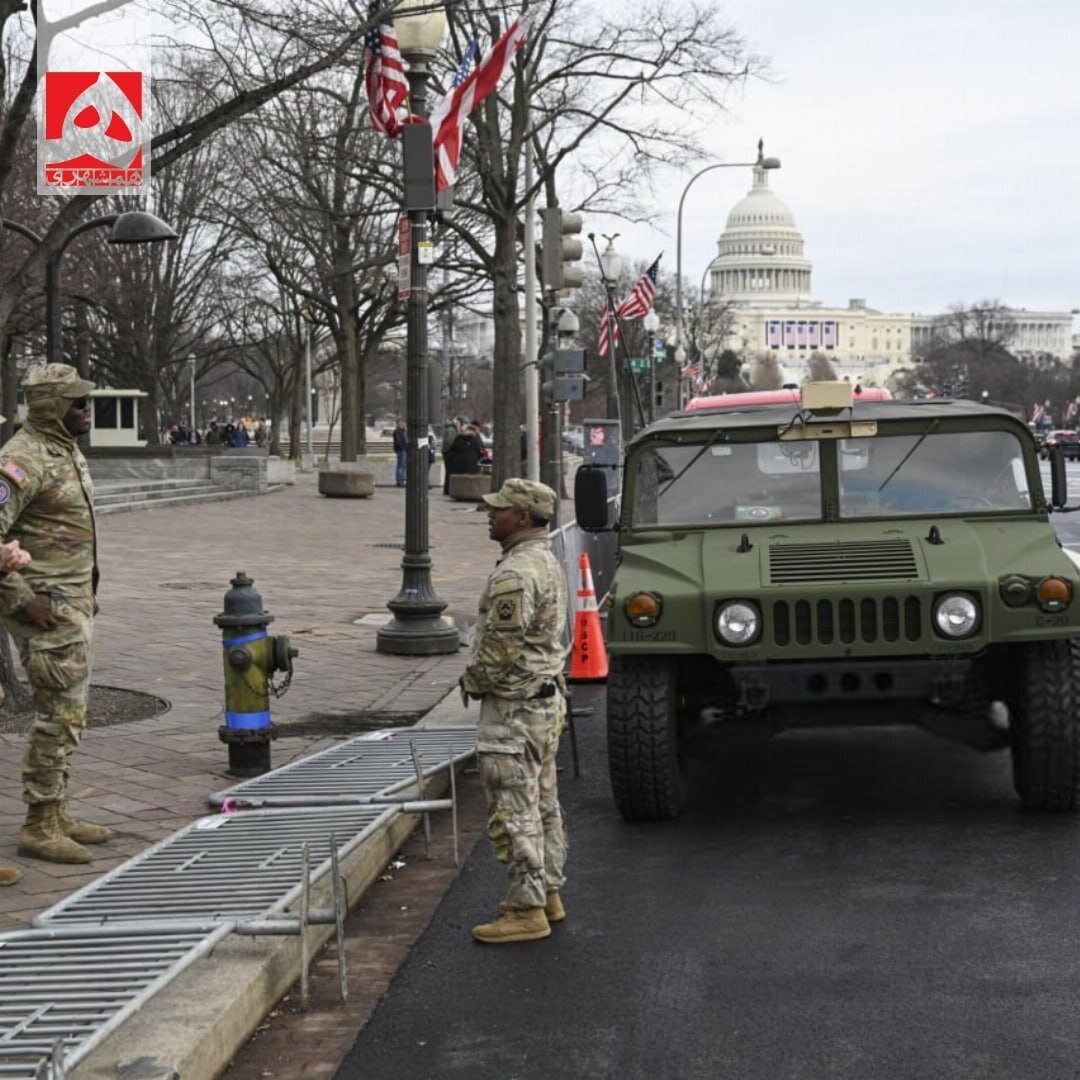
(1053, 594)
(643, 608)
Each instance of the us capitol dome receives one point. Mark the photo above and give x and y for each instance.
(759, 257)
(759, 282)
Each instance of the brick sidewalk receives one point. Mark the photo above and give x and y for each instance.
(321, 565)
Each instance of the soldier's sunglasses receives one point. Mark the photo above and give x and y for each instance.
(80, 403)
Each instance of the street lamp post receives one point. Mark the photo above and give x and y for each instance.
(611, 264)
(417, 627)
(651, 322)
(131, 227)
(191, 425)
(761, 163)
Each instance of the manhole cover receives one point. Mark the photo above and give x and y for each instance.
(400, 545)
(215, 585)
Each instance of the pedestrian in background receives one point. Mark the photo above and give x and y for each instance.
(401, 449)
(450, 430)
(515, 668)
(466, 451)
(48, 607)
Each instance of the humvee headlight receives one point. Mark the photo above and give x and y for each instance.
(1053, 594)
(738, 623)
(956, 615)
(643, 608)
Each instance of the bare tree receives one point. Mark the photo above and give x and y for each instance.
(819, 368)
(582, 78)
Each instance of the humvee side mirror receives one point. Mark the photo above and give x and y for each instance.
(1059, 486)
(590, 499)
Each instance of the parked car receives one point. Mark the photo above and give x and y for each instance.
(1069, 442)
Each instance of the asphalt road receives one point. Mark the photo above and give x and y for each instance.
(833, 904)
(843, 904)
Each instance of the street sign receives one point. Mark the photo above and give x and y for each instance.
(638, 363)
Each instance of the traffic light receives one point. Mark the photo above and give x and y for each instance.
(562, 249)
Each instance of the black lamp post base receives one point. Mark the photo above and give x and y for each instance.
(425, 635)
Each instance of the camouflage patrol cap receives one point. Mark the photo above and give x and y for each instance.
(538, 499)
(55, 380)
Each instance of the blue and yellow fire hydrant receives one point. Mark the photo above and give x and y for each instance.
(251, 657)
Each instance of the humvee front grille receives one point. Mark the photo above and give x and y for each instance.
(866, 560)
(867, 621)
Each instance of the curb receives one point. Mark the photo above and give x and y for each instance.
(194, 1027)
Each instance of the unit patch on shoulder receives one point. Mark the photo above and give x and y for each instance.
(5, 493)
(14, 472)
(506, 608)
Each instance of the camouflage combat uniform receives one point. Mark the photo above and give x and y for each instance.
(516, 667)
(46, 502)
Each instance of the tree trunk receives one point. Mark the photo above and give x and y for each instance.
(345, 296)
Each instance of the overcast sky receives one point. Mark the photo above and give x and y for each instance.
(930, 151)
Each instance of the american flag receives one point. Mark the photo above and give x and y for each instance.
(466, 64)
(638, 303)
(1070, 411)
(448, 116)
(1038, 412)
(387, 87)
(690, 370)
(608, 327)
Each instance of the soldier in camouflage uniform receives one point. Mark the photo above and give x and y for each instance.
(516, 669)
(46, 502)
(12, 557)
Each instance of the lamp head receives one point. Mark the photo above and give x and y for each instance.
(139, 227)
(651, 322)
(611, 262)
(419, 35)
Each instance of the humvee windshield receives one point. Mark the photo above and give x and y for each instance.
(887, 475)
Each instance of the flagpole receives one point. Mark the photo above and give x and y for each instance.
(532, 370)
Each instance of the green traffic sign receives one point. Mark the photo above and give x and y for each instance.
(638, 363)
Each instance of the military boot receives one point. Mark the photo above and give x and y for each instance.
(9, 875)
(553, 908)
(514, 924)
(82, 831)
(41, 838)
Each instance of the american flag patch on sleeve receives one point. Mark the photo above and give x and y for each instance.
(15, 472)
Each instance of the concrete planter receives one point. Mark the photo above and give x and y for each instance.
(469, 487)
(343, 482)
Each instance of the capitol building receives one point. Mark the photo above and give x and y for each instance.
(761, 269)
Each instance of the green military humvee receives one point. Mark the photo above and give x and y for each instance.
(831, 562)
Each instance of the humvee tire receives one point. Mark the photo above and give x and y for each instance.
(643, 738)
(1045, 740)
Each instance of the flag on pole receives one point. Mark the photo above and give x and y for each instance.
(448, 116)
(690, 370)
(639, 302)
(606, 345)
(387, 87)
(1038, 412)
(466, 64)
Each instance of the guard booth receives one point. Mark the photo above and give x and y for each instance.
(603, 449)
(116, 418)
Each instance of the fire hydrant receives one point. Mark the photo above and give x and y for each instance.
(251, 656)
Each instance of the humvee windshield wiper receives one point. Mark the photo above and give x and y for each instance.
(903, 461)
(716, 435)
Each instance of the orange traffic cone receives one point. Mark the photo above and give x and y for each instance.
(588, 659)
